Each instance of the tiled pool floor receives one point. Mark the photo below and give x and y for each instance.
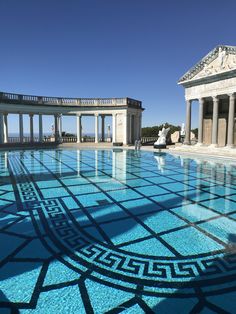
(112, 231)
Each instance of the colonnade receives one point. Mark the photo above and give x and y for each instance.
(215, 119)
(126, 127)
(4, 138)
(96, 127)
(126, 116)
(131, 127)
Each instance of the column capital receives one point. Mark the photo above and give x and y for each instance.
(188, 100)
(215, 98)
(5, 113)
(31, 114)
(201, 99)
(78, 114)
(232, 95)
(96, 114)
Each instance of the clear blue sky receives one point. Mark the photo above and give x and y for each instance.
(110, 48)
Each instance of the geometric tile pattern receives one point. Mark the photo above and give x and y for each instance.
(112, 231)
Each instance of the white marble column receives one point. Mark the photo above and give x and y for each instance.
(5, 127)
(130, 128)
(56, 128)
(113, 127)
(188, 122)
(21, 128)
(140, 126)
(96, 128)
(103, 128)
(78, 127)
(200, 122)
(214, 138)
(1, 129)
(31, 128)
(60, 126)
(230, 137)
(40, 128)
(125, 118)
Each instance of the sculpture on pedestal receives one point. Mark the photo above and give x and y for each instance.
(161, 142)
(182, 133)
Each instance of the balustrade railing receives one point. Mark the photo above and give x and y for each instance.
(26, 139)
(88, 139)
(86, 102)
(69, 139)
(13, 139)
(148, 140)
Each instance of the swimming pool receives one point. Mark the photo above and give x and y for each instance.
(116, 231)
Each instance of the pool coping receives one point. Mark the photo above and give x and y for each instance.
(226, 154)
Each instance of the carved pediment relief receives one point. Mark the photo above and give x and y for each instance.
(221, 59)
(222, 63)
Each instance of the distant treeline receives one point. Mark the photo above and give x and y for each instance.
(152, 131)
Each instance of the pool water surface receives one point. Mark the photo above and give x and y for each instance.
(110, 231)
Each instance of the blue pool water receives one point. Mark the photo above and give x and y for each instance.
(112, 231)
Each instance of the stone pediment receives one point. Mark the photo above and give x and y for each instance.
(219, 60)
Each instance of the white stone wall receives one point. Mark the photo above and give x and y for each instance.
(120, 127)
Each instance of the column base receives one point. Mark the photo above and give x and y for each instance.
(213, 146)
(199, 144)
(229, 146)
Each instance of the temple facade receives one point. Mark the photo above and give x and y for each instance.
(212, 82)
(126, 116)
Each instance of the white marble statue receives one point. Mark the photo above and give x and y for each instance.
(222, 57)
(182, 131)
(162, 136)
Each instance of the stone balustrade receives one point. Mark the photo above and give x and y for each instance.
(125, 112)
(82, 102)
